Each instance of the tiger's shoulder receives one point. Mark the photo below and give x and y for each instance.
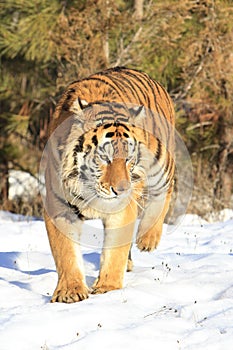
(118, 84)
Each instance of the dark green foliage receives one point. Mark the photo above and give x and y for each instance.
(186, 45)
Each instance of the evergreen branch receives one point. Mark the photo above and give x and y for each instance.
(125, 51)
(199, 125)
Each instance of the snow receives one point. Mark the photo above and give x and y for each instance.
(22, 185)
(178, 297)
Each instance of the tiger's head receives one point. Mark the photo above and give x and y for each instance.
(115, 157)
(102, 168)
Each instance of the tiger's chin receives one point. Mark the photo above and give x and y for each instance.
(110, 204)
(101, 204)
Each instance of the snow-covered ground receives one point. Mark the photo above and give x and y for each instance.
(178, 297)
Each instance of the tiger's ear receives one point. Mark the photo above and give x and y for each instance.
(137, 113)
(78, 105)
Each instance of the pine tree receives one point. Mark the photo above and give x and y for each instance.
(186, 45)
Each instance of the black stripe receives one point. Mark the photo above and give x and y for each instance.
(168, 99)
(105, 112)
(159, 150)
(168, 161)
(152, 86)
(59, 198)
(164, 186)
(79, 147)
(110, 134)
(134, 79)
(164, 122)
(83, 176)
(77, 211)
(126, 85)
(104, 120)
(157, 87)
(164, 171)
(106, 126)
(94, 140)
(72, 90)
(75, 158)
(120, 124)
(83, 167)
(73, 174)
(103, 81)
(170, 169)
(148, 84)
(120, 81)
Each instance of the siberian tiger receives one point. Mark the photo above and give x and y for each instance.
(114, 161)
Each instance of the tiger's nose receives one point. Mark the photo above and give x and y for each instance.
(120, 187)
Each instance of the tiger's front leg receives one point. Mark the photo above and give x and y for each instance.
(71, 286)
(151, 225)
(117, 243)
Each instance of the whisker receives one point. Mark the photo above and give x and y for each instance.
(135, 201)
(136, 181)
(78, 196)
(88, 200)
(133, 209)
(74, 200)
(144, 159)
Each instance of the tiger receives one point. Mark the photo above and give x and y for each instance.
(112, 159)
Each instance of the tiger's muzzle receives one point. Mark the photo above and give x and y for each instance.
(117, 177)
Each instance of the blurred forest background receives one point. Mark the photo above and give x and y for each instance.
(186, 45)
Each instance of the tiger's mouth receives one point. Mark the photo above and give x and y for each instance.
(114, 194)
(118, 190)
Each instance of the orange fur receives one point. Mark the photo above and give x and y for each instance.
(115, 180)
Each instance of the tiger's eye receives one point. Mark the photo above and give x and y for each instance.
(135, 177)
(105, 159)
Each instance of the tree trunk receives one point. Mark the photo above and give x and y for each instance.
(106, 34)
(224, 183)
(4, 187)
(138, 9)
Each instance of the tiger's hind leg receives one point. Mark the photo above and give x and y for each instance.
(130, 261)
(71, 285)
(151, 226)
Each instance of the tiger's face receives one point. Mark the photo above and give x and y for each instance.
(115, 157)
(104, 169)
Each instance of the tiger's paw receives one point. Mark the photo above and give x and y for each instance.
(148, 241)
(70, 293)
(129, 265)
(101, 288)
